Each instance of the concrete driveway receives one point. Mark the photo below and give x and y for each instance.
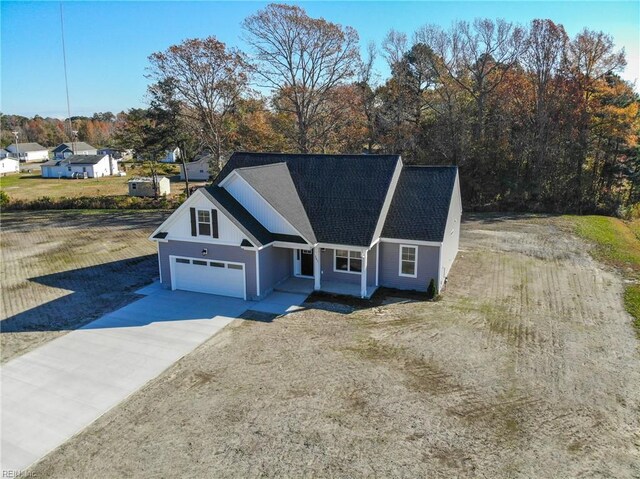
(55, 391)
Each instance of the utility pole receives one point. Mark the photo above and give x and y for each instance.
(16, 133)
(74, 134)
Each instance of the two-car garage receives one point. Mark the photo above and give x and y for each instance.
(203, 275)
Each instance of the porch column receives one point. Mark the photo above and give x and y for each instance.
(316, 268)
(363, 276)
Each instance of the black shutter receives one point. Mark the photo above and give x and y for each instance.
(214, 223)
(194, 229)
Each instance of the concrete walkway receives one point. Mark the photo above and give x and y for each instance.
(53, 392)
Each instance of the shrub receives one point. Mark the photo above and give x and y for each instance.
(432, 291)
(92, 203)
(4, 199)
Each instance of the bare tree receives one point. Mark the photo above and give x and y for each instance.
(208, 78)
(302, 59)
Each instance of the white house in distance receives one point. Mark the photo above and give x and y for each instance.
(63, 150)
(197, 170)
(28, 151)
(171, 156)
(94, 166)
(9, 165)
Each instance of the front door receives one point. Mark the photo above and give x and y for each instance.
(306, 263)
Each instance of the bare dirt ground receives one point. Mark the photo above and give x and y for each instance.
(63, 269)
(527, 367)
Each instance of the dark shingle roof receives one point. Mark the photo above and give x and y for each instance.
(83, 159)
(341, 194)
(79, 146)
(274, 184)
(420, 203)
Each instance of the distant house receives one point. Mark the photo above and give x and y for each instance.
(197, 170)
(144, 186)
(171, 156)
(115, 153)
(28, 151)
(93, 166)
(9, 165)
(4, 154)
(63, 150)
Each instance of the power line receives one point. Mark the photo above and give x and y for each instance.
(66, 81)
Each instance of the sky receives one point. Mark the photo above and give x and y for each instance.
(108, 42)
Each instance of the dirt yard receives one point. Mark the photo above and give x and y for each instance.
(527, 367)
(62, 269)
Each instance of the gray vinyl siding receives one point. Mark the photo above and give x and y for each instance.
(371, 265)
(328, 274)
(214, 252)
(428, 260)
(276, 264)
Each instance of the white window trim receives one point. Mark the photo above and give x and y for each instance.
(415, 261)
(198, 210)
(347, 271)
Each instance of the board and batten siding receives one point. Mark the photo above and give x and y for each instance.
(450, 242)
(258, 207)
(228, 232)
(276, 265)
(428, 260)
(214, 252)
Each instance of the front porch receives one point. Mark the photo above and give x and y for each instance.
(305, 286)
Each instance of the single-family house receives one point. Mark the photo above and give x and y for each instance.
(28, 151)
(341, 223)
(91, 166)
(144, 186)
(9, 165)
(197, 170)
(171, 156)
(63, 150)
(115, 153)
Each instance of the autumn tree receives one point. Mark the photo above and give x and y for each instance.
(208, 79)
(302, 60)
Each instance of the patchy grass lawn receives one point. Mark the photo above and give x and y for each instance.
(29, 186)
(526, 367)
(617, 243)
(62, 269)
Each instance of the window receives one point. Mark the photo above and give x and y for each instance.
(408, 260)
(235, 266)
(348, 261)
(133, 186)
(182, 260)
(204, 223)
(215, 264)
(199, 262)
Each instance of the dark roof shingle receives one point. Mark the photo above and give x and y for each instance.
(420, 204)
(341, 194)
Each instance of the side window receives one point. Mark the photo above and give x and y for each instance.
(408, 261)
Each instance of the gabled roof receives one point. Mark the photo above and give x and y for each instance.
(240, 214)
(28, 147)
(273, 182)
(342, 195)
(83, 159)
(79, 146)
(420, 204)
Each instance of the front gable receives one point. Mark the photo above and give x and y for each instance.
(259, 208)
(178, 227)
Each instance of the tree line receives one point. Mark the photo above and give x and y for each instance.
(536, 120)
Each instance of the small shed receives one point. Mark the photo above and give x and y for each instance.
(143, 186)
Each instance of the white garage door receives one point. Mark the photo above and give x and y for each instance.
(205, 276)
